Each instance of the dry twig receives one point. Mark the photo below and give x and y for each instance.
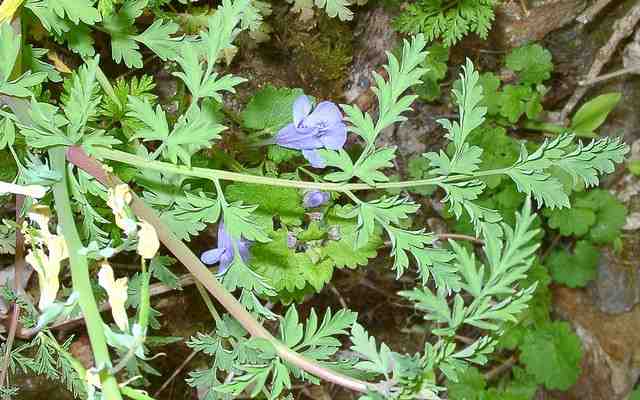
(622, 29)
(605, 77)
(175, 373)
(500, 369)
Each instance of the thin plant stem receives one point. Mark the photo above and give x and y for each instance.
(605, 77)
(457, 236)
(80, 276)
(208, 303)
(77, 156)
(216, 174)
(176, 373)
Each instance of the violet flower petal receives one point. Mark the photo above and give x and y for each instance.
(292, 240)
(297, 138)
(224, 240)
(334, 137)
(212, 256)
(225, 261)
(225, 253)
(315, 198)
(314, 158)
(325, 114)
(301, 108)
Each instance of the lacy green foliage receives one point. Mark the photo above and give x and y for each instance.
(72, 22)
(20, 86)
(185, 211)
(447, 21)
(126, 40)
(115, 109)
(7, 238)
(532, 65)
(507, 263)
(45, 356)
(287, 270)
(537, 312)
(552, 354)
(575, 269)
(294, 252)
(436, 65)
(254, 361)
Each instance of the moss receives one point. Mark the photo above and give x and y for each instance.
(321, 56)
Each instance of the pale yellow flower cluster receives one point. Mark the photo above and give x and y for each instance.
(117, 292)
(118, 200)
(46, 263)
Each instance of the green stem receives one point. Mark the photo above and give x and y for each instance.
(80, 275)
(107, 87)
(216, 174)
(209, 303)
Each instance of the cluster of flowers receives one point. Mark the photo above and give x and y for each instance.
(311, 130)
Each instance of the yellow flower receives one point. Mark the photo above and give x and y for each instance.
(117, 292)
(46, 264)
(118, 200)
(8, 8)
(148, 243)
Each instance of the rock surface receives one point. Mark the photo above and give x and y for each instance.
(617, 288)
(611, 345)
(516, 25)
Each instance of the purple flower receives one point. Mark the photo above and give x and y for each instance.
(311, 130)
(224, 253)
(315, 198)
(292, 240)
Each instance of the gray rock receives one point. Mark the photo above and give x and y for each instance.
(617, 288)
(515, 26)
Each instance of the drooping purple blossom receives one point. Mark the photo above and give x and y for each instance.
(315, 198)
(312, 130)
(224, 253)
(292, 240)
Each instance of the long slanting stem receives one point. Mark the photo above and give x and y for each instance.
(78, 157)
(80, 276)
